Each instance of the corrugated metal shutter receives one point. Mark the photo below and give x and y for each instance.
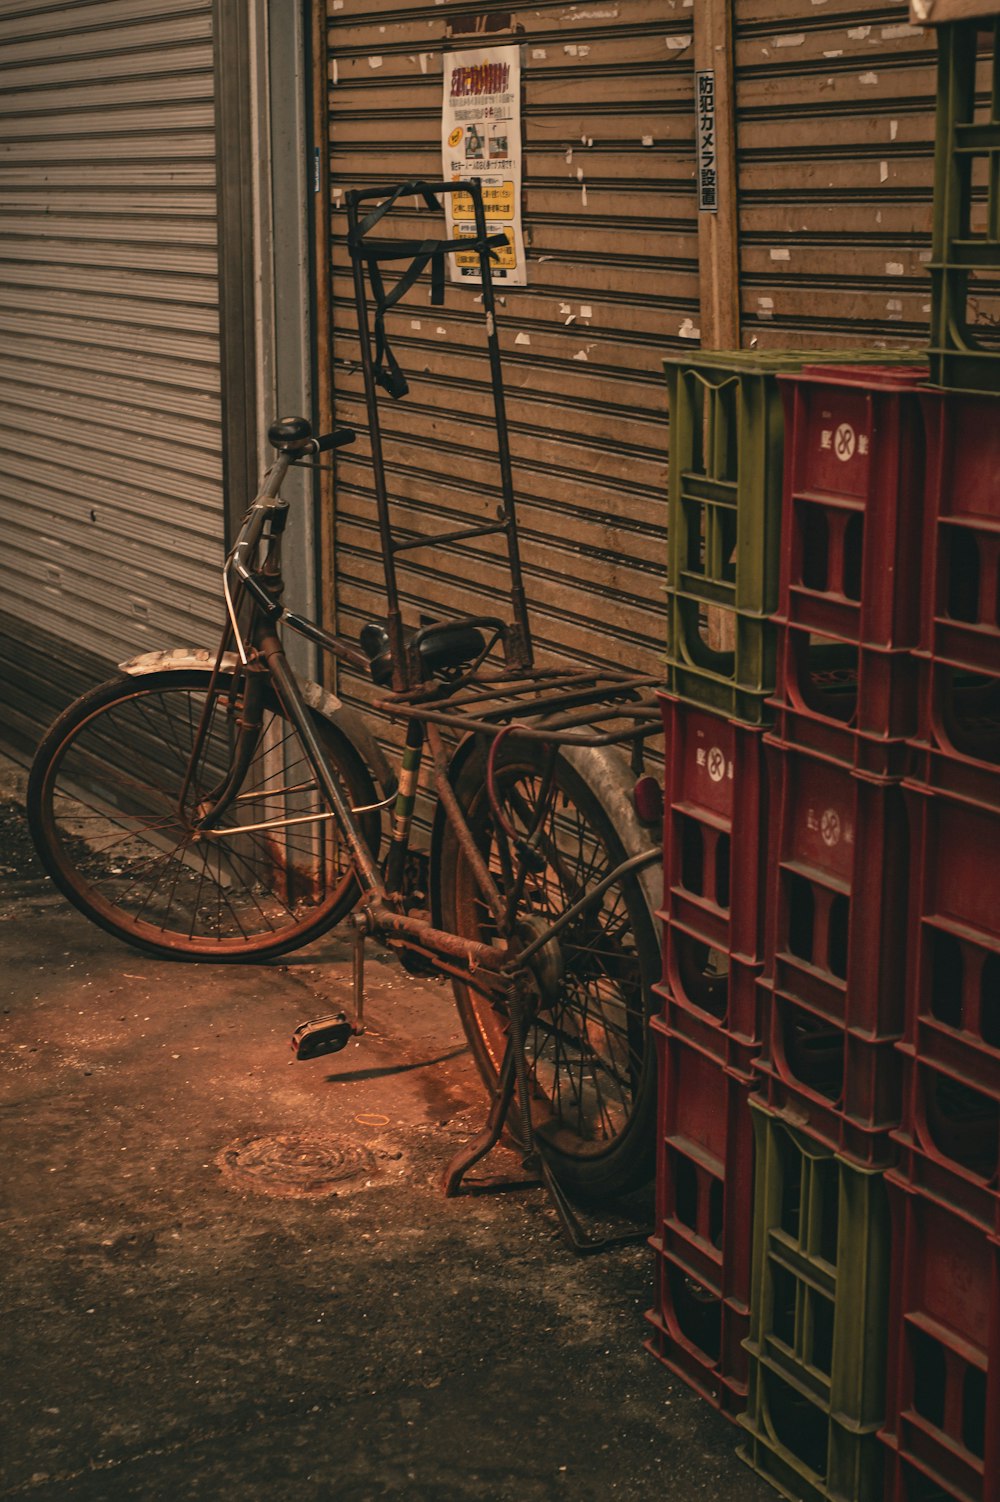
(610, 222)
(835, 142)
(109, 339)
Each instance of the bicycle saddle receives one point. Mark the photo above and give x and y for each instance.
(449, 645)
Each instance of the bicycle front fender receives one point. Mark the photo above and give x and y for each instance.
(176, 658)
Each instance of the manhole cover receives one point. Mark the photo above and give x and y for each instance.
(295, 1166)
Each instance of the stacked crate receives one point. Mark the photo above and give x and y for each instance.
(844, 707)
(727, 430)
(944, 1337)
(700, 1317)
(945, 1325)
(707, 1037)
(830, 1033)
(726, 438)
(724, 531)
(726, 444)
(944, 1330)
(818, 1317)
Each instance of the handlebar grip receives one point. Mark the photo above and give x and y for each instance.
(335, 440)
(294, 436)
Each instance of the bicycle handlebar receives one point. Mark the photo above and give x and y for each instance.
(294, 436)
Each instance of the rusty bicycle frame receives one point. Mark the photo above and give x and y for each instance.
(472, 694)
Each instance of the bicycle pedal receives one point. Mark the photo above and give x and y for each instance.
(311, 1040)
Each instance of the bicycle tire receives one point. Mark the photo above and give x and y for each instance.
(103, 805)
(589, 1051)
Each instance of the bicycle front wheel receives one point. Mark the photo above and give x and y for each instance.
(589, 1052)
(114, 807)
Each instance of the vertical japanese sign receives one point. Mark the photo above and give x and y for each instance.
(708, 162)
(481, 137)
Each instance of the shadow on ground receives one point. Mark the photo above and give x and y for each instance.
(227, 1275)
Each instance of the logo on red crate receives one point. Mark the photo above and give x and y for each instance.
(831, 827)
(845, 442)
(715, 762)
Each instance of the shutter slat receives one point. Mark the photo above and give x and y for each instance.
(109, 340)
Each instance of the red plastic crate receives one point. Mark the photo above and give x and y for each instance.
(961, 576)
(713, 878)
(956, 748)
(953, 975)
(944, 1354)
(704, 1218)
(908, 1482)
(844, 1089)
(739, 995)
(854, 503)
(949, 1138)
(854, 704)
(949, 1142)
(838, 858)
(834, 976)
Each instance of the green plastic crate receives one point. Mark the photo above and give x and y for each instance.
(724, 497)
(818, 1317)
(965, 261)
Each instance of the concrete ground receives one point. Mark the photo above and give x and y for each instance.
(230, 1275)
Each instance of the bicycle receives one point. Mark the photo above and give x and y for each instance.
(213, 806)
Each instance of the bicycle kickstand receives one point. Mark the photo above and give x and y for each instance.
(326, 1035)
(513, 1086)
(486, 1141)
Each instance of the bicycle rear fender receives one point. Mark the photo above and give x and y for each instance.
(609, 776)
(348, 721)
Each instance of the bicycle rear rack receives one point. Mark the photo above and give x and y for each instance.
(548, 704)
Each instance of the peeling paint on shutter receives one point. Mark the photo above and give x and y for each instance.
(109, 339)
(610, 222)
(835, 142)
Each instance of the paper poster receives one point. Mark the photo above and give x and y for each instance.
(481, 137)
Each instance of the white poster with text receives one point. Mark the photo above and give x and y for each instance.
(481, 137)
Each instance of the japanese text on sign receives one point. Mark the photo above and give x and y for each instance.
(708, 162)
(481, 138)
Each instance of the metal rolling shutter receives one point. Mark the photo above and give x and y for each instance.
(109, 340)
(835, 140)
(610, 221)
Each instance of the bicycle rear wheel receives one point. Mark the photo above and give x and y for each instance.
(589, 1053)
(117, 832)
